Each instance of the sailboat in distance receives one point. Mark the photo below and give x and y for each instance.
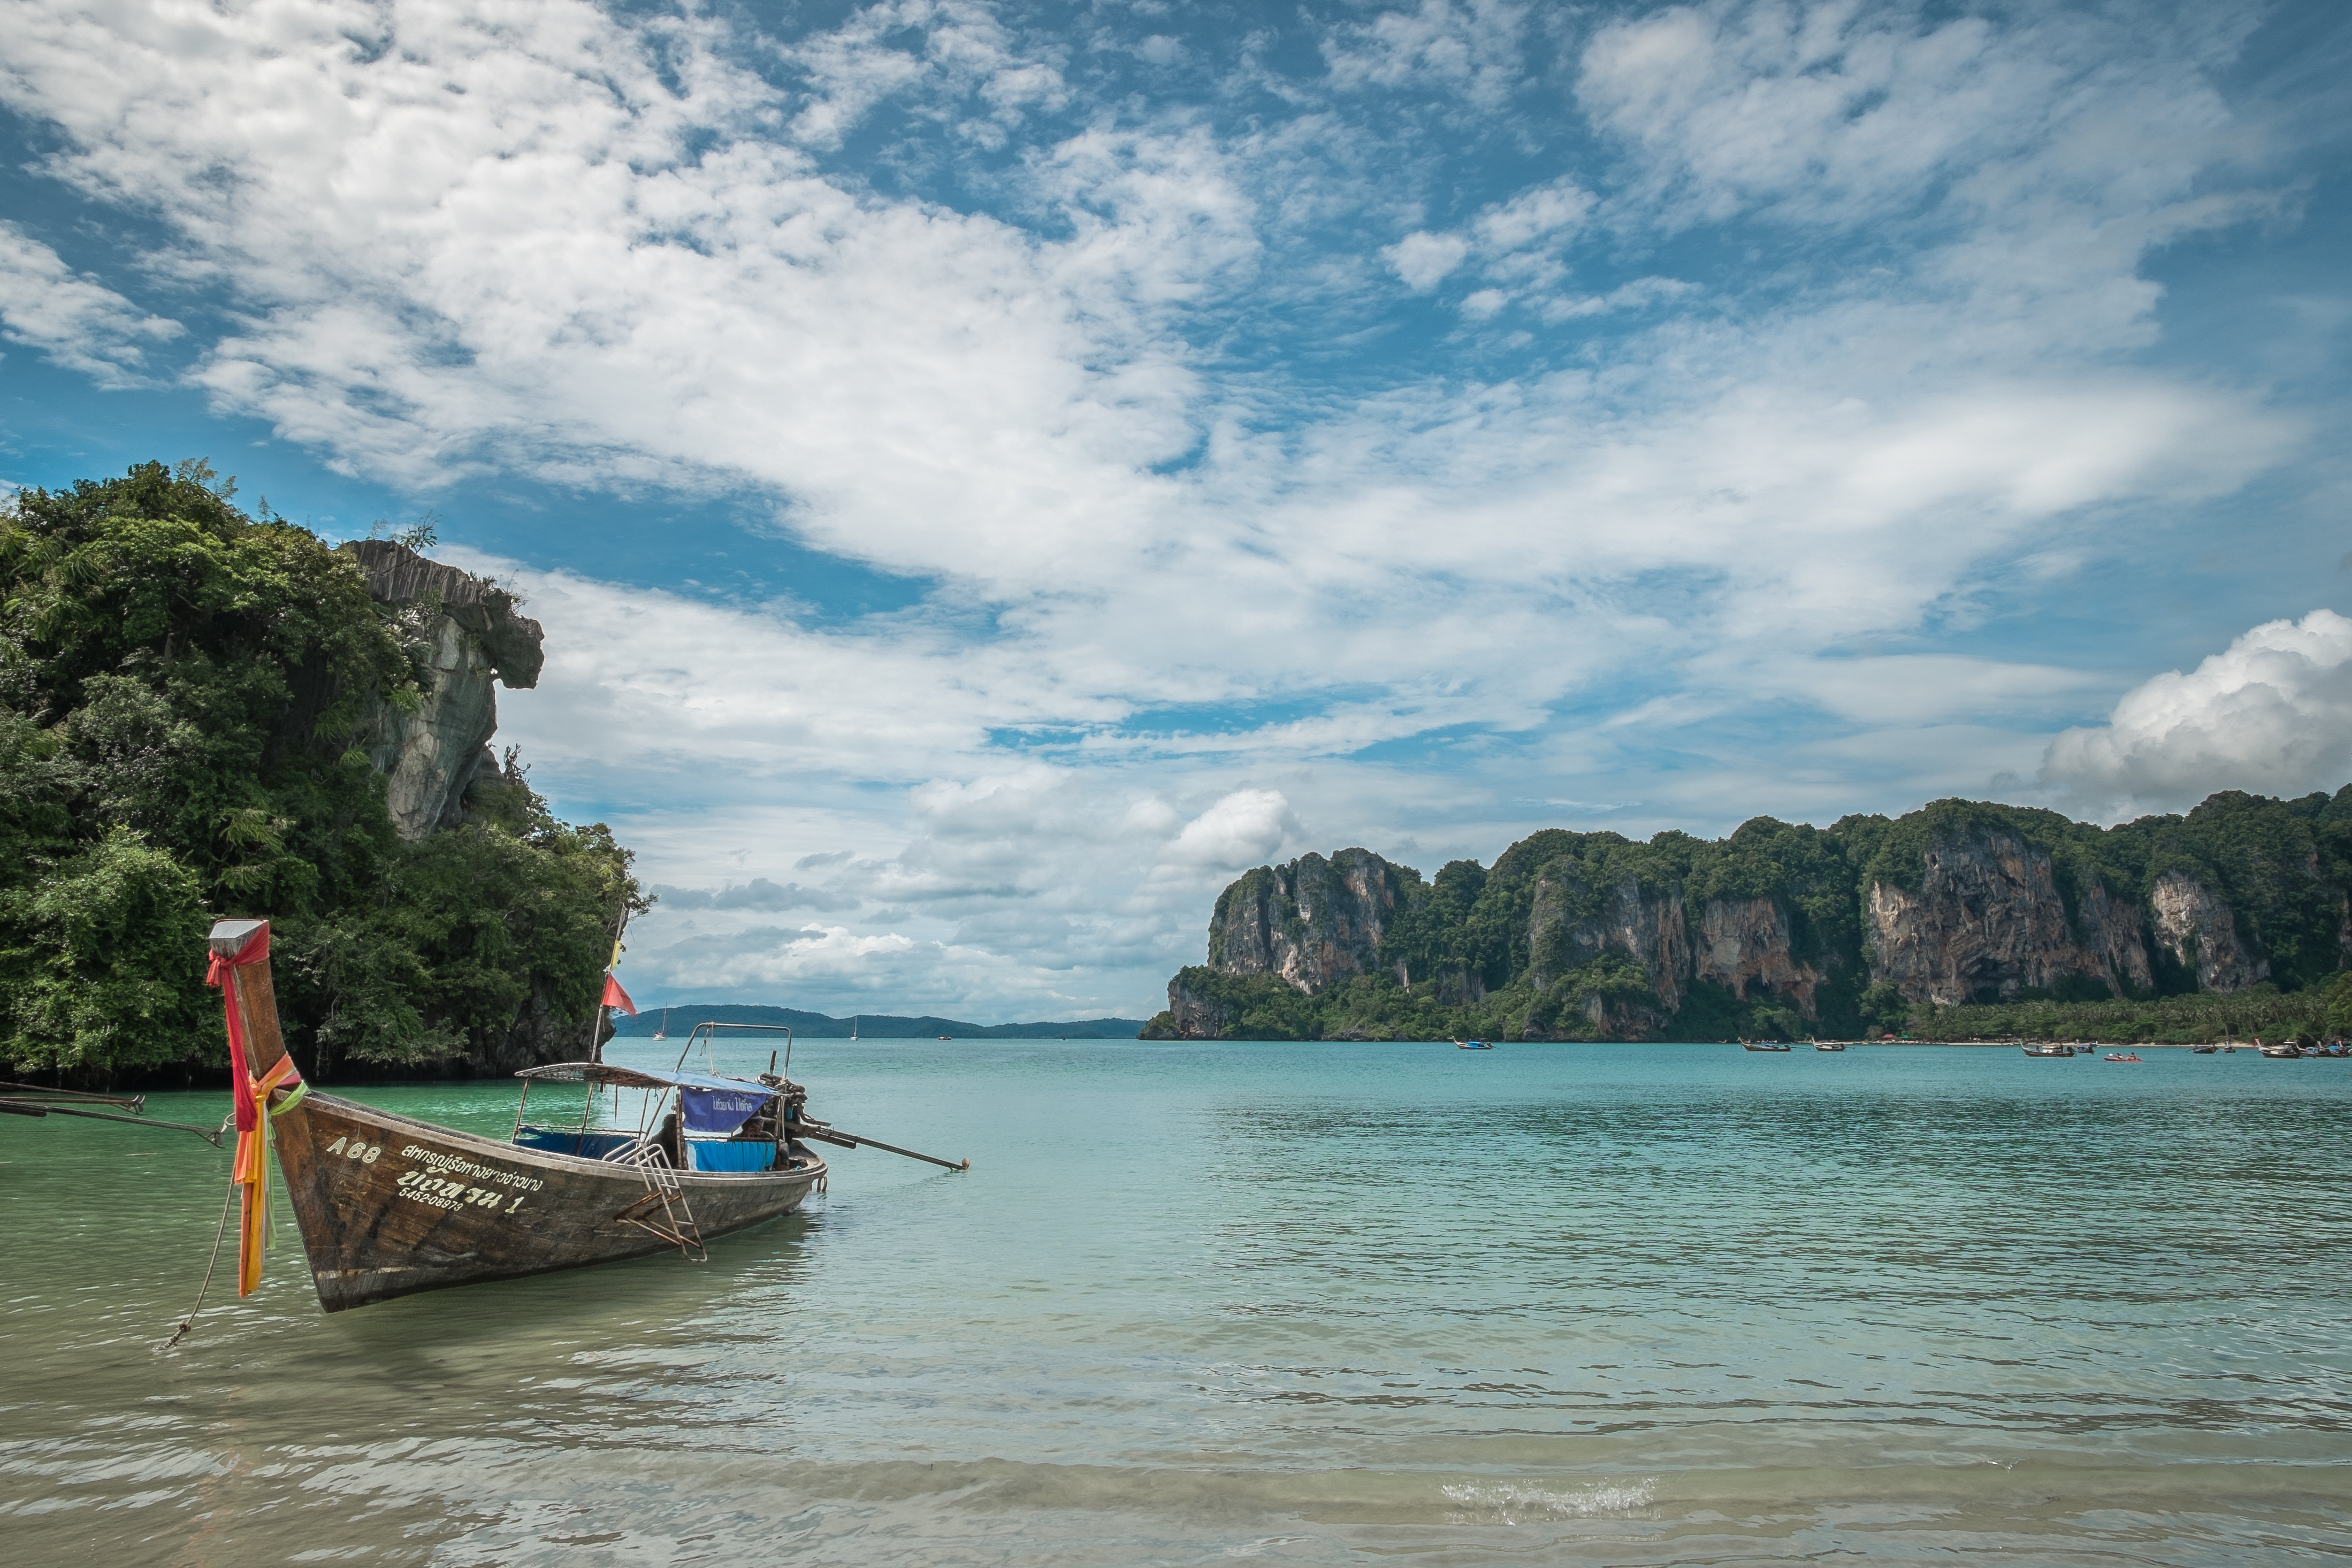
(663, 1032)
(852, 1027)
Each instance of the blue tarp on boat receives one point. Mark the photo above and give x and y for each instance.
(746, 1155)
(592, 1145)
(613, 1074)
(720, 1110)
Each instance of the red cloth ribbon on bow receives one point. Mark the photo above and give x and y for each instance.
(251, 1167)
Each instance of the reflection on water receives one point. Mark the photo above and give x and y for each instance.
(1307, 1303)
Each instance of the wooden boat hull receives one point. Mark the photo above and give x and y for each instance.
(390, 1206)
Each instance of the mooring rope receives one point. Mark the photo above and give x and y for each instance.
(190, 1321)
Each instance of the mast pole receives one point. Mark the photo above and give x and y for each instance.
(596, 1019)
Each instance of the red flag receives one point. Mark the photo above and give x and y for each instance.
(617, 998)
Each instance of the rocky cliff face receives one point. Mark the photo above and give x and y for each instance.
(1988, 922)
(1196, 1013)
(1571, 924)
(1311, 922)
(2201, 935)
(474, 639)
(1747, 945)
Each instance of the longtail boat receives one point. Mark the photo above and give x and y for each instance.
(389, 1204)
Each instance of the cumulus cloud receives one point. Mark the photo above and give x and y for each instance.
(74, 320)
(1245, 827)
(1424, 260)
(2272, 713)
(1470, 46)
(1549, 211)
(757, 893)
(1061, 352)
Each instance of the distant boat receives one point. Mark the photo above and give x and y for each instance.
(2280, 1052)
(1473, 1045)
(2123, 1056)
(852, 1026)
(947, 1037)
(1761, 1045)
(2204, 1050)
(1829, 1045)
(663, 1032)
(2049, 1048)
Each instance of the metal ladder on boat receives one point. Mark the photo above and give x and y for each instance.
(677, 1223)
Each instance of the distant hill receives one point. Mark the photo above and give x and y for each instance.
(870, 1026)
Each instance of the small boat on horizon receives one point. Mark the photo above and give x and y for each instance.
(1829, 1045)
(1473, 1045)
(2121, 1056)
(2048, 1047)
(1761, 1045)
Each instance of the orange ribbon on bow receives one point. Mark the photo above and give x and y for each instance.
(251, 1094)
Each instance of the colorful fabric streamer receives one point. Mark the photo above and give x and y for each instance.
(251, 1095)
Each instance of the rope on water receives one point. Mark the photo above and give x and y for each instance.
(190, 1321)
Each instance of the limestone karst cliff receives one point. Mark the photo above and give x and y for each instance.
(2198, 933)
(1747, 946)
(1986, 921)
(472, 639)
(1311, 922)
(1780, 928)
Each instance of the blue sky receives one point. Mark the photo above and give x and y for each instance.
(992, 472)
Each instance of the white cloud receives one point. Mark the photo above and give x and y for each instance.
(1550, 212)
(758, 894)
(1470, 46)
(2271, 715)
(1424, 260)
(1845, 113)
(1245, 827)
(953, 50)
(1641, 293)
(74, 320)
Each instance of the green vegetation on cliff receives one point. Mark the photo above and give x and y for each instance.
(1773, 933)
(185, 697)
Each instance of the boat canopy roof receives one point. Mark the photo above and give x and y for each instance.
(639, 1077)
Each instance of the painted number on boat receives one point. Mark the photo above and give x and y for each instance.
(440, 1192)
(448, 1164)
(358, 1149)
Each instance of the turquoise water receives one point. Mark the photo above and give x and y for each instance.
(1307, 1303)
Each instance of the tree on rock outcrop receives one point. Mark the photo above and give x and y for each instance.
(187, 698)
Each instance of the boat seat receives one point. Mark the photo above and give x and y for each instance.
(590, 1145)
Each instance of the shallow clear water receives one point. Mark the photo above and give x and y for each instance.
(1311, 1304)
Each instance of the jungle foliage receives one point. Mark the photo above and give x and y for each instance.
(185, 692)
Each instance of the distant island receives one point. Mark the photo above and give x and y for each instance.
(1961, 920)
(868, 1026)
